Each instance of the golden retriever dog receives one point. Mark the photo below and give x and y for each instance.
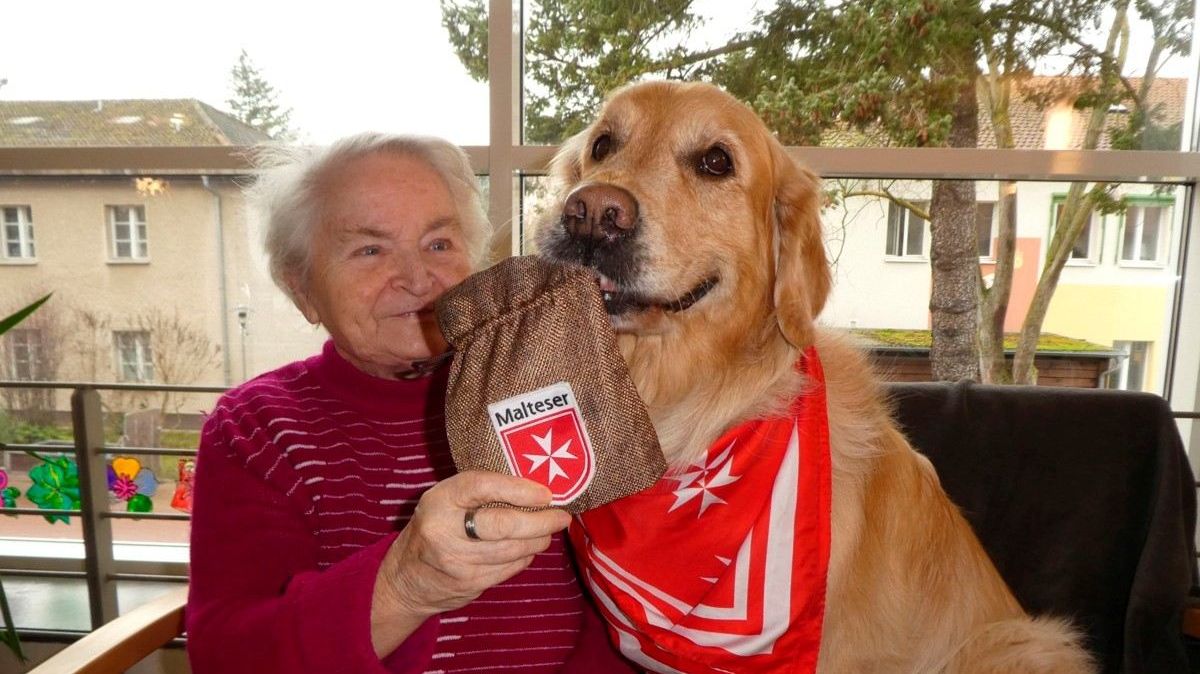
(706, 238)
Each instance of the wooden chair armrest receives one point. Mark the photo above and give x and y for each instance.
(121, 643)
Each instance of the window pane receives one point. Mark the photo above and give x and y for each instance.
(984, 213)
(894, 229)
(914, 243)
(141, 249)
(1136, 368)
(1082, 248)
(1150, 232)
(123, 249)
(121, 231)
(120, 214)
(1130, 242)
(10, 215)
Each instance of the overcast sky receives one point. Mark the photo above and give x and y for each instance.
(343, 66)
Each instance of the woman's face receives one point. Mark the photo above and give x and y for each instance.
(387, 243)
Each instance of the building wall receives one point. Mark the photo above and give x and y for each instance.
(1103, 301)
(869, 289)
(182, 277)
(275, 331)
(1106, 314)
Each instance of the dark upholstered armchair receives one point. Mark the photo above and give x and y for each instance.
(1084, 499)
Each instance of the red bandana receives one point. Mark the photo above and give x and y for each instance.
(721, 567)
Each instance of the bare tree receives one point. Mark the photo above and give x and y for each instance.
(32, 352)
(181, 353)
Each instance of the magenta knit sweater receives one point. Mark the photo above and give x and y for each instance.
(303, 478)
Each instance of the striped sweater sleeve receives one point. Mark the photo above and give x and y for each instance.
(257, 601)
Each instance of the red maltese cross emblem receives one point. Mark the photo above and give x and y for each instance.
(545, 440)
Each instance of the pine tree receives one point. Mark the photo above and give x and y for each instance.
(256, 102)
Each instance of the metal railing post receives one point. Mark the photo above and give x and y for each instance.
(88, 420)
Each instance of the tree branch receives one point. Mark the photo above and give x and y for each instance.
(903, 203)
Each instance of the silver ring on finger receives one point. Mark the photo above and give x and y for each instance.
(469, 525)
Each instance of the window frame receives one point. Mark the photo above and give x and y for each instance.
(1162, 255)
(906, 217)
(1120, 375)
(143, 361)
(139, 234)
(26, 239)
(1095, 234)
(19, 339)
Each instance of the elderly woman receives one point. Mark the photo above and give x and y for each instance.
(329, 531)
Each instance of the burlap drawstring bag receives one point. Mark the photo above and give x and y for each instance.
(538, 388)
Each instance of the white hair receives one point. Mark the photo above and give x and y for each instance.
(287, 193)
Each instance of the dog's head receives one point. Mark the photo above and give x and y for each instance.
(692, 214)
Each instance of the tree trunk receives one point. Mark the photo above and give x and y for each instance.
(954, 296)
(993, 301)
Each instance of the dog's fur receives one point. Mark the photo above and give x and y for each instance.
(910, 589)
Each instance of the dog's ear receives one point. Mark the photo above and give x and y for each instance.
(802, 277)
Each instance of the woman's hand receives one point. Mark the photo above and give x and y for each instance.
(433, 566)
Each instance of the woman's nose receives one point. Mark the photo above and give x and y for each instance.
(413, 275)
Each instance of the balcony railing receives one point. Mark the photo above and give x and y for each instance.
(99, 567)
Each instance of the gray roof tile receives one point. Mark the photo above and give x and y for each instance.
(150, 122)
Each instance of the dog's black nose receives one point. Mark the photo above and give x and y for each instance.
(600, 211)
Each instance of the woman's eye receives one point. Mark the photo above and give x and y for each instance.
(369, 250)
(440, 245)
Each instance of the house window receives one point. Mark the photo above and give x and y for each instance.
(18, 233)
(25, 356)
(905, 232)
(1145, 234)
(1130, 373)
(985, 227)
(127, 230)
(135, 362)
(1087, 247)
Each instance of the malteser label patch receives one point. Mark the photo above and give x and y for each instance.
(545, 440)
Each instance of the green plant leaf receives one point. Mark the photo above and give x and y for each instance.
(12, 320)
(55, 487)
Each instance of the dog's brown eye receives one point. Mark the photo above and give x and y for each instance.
(716, 162)
(601, 147)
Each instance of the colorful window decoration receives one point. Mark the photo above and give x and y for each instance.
(8, 495)
(182, 500)
(55, 486)
(130, 482)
